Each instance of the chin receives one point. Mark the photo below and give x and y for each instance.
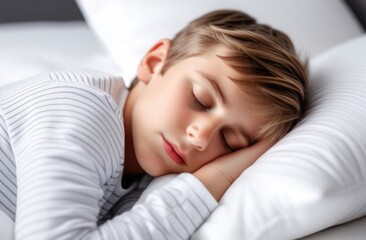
(155, 172)
(152, 168)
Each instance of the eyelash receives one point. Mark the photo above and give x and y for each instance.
(198, 103)
(227, 146)
(203, 107)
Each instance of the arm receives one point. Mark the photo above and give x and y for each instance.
(218, 175)
(174, 211)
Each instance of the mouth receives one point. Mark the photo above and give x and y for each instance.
(173, 153)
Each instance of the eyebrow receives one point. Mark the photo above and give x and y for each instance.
(213, 84)
(220, 96)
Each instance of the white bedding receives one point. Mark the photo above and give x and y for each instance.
(7, 225)
(30, 49)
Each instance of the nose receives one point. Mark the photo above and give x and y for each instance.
(201, 132)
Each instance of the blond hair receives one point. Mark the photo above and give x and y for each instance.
(265, 58)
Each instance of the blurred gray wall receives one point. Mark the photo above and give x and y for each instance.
(359, 8)
(67, 10)
(39, 10)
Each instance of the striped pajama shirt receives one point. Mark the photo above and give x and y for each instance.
(62, 157)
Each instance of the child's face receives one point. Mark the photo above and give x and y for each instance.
(189, 116)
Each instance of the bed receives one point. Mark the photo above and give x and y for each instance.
(311, 185)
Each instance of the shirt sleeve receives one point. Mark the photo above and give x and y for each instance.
(173, 212)
(67, 144)
(68, 153)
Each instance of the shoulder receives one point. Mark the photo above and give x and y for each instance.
(70, 99)
(107, 83)
(69, 87)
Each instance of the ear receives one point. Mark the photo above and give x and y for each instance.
(153, 60)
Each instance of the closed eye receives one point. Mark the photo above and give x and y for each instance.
(203, 107)
(225, 143)
(198, 103)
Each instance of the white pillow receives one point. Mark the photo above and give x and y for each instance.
(129, 28)
(315, 177)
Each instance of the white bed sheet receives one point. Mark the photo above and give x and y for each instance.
(354, 230)
(7, 226)
(28, 49)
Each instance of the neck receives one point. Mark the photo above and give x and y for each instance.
(131, 165)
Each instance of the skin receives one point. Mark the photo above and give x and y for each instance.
(191, 119)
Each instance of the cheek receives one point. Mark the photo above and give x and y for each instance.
(173, 109)
(165, 109)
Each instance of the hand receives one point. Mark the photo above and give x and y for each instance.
(219, 174)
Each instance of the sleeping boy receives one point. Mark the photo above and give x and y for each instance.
(205, 104)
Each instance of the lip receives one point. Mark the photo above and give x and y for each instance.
(173, 153)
